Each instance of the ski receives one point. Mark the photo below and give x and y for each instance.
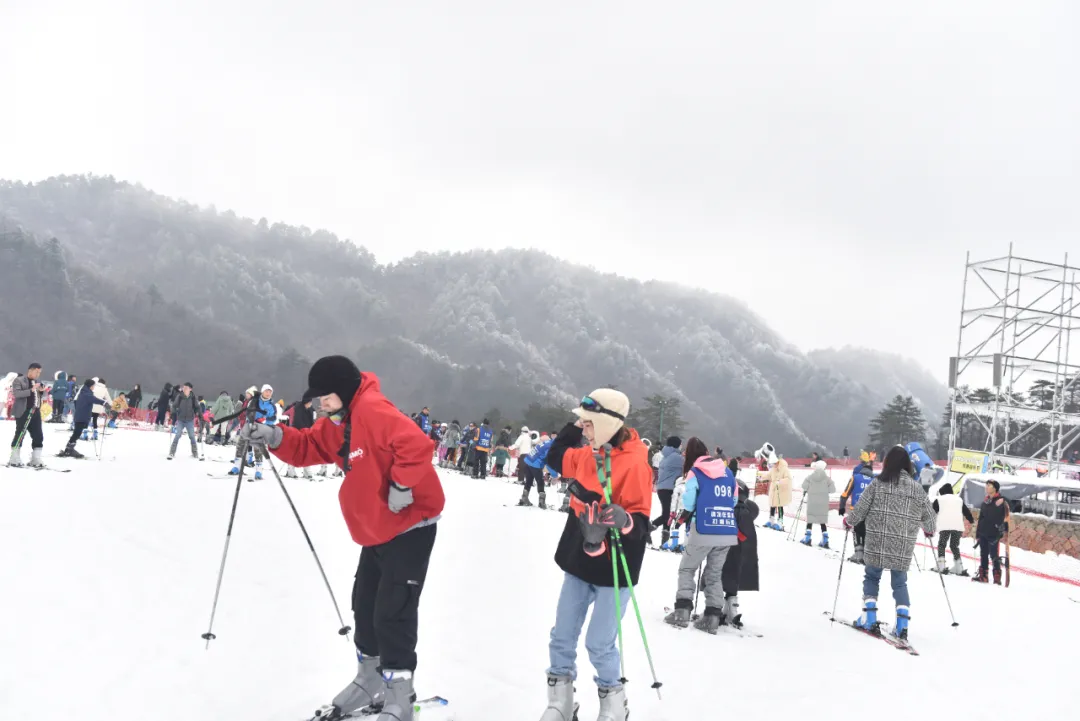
(41, 468)
(886, 637)
(331, 713)
(515, 505)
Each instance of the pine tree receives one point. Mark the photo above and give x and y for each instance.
(901, 421)
(646, 419)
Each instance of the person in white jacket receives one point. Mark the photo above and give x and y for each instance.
(524, 446)
(954, 519)
(101, 392)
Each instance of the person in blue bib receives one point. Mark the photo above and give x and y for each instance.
(709, 499)
(861, 478)
(482, 449)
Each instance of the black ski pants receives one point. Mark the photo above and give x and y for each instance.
(534, 475)
(31, 421)
(989, 549)
(80, 426)
(952, 538)
(480, 464)
(386, 597)
(665, 509)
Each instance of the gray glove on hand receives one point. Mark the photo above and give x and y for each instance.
(260, 433)
(399, 498)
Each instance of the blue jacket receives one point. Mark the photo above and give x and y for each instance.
(484, 438)
(267, 412)
(714, 508)
(538, 456)
(424, 421)
(670, 469)
(84, 404)
(71, 390)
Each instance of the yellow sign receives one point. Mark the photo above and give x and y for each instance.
(968, 461)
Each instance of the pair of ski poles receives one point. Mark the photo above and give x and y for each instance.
(603, 469)
(242, 448)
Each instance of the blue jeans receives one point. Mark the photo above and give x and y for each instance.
(600, 640)
(178, 430)
(872, 581)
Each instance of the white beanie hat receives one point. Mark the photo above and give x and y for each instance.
(524, 429)
(253, 390)
(819, 465)
(267, 387)
(607, 408)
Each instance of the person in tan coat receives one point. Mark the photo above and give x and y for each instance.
(779, 493)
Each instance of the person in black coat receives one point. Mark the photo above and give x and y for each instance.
(740, 572)
(134, 398)
(163, 404)
(993, 524)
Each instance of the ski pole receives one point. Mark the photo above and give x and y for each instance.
(209, 635)
(697, 593)
(836, 600)
(22, 433)
(798, 514)
(343, 630)
(941, 577)
(915, 557)
(604, 471)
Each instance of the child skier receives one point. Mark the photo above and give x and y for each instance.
(861, 478)
(709, 497)
(741, 566)
(584, 551)
(816, 488)
(953, 520)
(84, 405)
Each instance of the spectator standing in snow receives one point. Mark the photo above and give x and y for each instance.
(134, 398)
(846, 455)
(893, 507)
(708, 500)
(164, 400)
(424, 421)
(953, 520)
(583, 553)
(58, 393)
(993, 524)
(185, 411)
(817, 488)
(27, 391)
(222, 407)
(449, 443)
(668, 473)
(484, 439)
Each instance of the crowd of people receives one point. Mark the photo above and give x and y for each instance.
(392, 499)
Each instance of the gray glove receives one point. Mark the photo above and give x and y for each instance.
(399, 498)
(593, 530)
(260, 433)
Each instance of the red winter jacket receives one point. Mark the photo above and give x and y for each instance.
(384, 446)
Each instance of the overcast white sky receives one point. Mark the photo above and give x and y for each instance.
(827, 162)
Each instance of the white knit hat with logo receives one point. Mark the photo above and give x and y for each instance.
(608, 415)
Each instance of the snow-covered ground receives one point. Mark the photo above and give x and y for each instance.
(108, 572)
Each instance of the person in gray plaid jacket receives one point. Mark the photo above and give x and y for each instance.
(894, 508)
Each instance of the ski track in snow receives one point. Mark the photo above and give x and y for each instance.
(108, 576)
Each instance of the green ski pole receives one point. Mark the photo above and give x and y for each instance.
(605, 484)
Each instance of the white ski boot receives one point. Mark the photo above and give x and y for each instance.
(561, 706)
(732, 617)
(16, 458)
(365, 690)
(399, 697)
(613, 704)
(35, 459)
(291, 473)
(958, 568)
(941, 565)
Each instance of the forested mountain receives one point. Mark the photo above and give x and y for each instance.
(139, 287)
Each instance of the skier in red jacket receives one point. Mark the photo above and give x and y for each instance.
(391, 499)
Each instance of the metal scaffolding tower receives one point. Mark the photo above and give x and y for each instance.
(1016, 321)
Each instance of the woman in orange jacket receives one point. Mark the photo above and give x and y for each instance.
(584, 553)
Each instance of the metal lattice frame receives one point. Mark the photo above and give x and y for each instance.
(1016, 321)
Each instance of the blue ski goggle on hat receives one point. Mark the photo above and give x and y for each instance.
(593, 406)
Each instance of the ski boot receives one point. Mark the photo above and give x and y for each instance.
(941, 565)
(171, 456)
(824, 540)
(903, 618)
(679, 540)
(561, 706)
(868, 621)
(806, 539)
(997, 577)
(565, 507)
(307, 474)
(235, 470)
(613, 704)
(665, 540)
(258, 471)
(399, 696)
(70, 452)
(524, 499)
(85, 435)
(112, 424)
(710, 621)
(857, 557)
(543, 502)
(980, 577)
(95, 434)
(322, 471)
(365, 690)
(35, 459)
(958, 567)
(680, 617)
(16, 458)
(732, 617)
(291, 473)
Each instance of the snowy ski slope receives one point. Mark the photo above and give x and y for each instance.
(108, 572)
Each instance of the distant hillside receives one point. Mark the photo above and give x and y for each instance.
(149, 289)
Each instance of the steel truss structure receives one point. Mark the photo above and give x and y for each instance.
(1016, 321)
